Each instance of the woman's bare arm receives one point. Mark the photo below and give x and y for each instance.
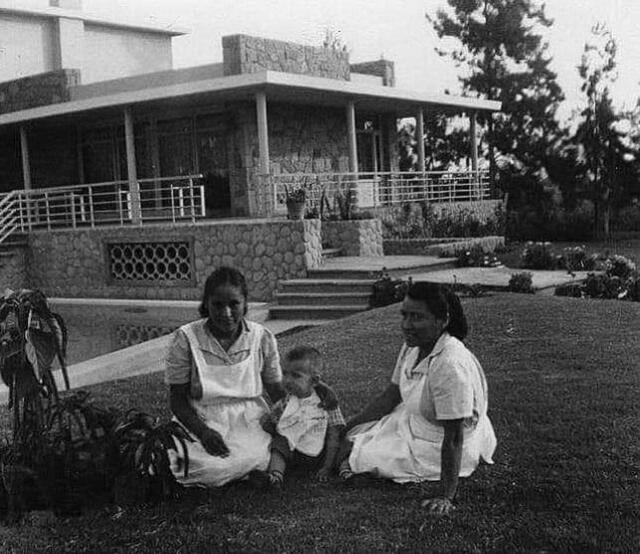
(378, 407)
(182, 409)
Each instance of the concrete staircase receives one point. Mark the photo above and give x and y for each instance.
(342, 287)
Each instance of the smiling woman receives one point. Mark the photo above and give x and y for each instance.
(431, 423)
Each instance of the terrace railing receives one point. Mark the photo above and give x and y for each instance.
(330, 191)
(163, 199)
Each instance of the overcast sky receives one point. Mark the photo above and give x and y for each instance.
(395, 29)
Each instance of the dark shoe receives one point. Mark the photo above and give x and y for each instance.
(259, 479)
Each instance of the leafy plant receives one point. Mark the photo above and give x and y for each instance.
(538, 255)
(521, 282)
(476, 257)
(387, 290)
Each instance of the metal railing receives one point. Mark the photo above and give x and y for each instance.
(329, 191)
(163, 199)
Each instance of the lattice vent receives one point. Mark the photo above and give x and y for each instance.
(128, 334)
(150, 261)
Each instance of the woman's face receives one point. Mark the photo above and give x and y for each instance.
(226, 307)
(419, 326)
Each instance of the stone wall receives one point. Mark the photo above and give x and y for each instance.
(74, 263)
(246, 54)
(38, 90)
(358, 237)
(379, 68)
(13, 270)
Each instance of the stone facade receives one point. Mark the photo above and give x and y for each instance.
(13, 270)
(74, 263)
(38, 90)
(379, 68)
(246, 54)
(358, 237)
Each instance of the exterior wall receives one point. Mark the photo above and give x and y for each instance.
(245, 54)
(37, 90)
(384, 69)
(13, 270)
(130, 52)
(358, 237)
(26, 46)
(74, 264)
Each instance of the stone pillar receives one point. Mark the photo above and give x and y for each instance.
(419, 136)
(352, 138)
(263, 132)
(24, 153)
(132, 174)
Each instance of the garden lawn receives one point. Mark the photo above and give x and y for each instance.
(564, 386)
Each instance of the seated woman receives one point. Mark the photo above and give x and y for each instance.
(431, 423)
(217, 369)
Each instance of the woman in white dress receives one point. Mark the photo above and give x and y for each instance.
(431, 423)
(217, 369)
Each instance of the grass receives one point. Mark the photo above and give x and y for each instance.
(564, 385)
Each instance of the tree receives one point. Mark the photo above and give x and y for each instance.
(606, 149)
(506, 60)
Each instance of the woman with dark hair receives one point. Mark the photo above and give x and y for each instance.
(217, 369)
(431, 423)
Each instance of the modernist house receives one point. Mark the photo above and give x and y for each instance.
(98, 132)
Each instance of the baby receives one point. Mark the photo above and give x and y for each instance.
(303, 431)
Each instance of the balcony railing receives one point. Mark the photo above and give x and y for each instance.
(328, 191)
(164, 199)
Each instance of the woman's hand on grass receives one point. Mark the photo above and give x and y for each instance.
(214, 444)
(323, 474)
(438, 506)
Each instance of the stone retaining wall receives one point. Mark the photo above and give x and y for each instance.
(447, 247)
(246, 54)
(74, 263)
(359, 237)
(13, 270)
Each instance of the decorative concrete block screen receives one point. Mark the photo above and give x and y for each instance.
(150, 261)
(128, 334)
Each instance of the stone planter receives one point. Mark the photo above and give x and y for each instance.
(357, 237)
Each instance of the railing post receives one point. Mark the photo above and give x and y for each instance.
(192, 201)
(203, 211)
(134, 187)
(47, 210)
(73, 210)
(91, 216)
(173, 203)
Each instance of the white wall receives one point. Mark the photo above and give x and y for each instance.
(110, 53)
(26, 46)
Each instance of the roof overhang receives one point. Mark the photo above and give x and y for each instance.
(280, 87)
(53, 12)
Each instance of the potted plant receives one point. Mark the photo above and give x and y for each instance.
(295, 200)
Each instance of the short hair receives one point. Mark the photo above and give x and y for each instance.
(306, 353)
(442, 302)
(224, 275)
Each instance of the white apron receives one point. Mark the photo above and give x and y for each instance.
(304, 424)
(232, 404)
(406, 447)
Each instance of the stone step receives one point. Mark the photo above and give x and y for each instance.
(323, 299)
(373, 274)
(307, 312)
(327, 286)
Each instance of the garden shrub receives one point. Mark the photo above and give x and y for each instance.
(628, 219)
(604, 285)
(476, 257)
(538, 255)
(521, 282)
(620, 266)
(576, 259)
(573, 290)
(387, 290)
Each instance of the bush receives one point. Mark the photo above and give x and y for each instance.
(620, 266)
(521, 282)
(573, 290)
(538, 255)
(604, 286)
(576, 259)
(476, 257)
(628, 219)
(526, 223)
(387, 290)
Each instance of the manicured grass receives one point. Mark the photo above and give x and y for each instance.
(564, 387)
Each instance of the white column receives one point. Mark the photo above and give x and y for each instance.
(474, 141)
(24, 153)
(419, 136)
(132, 174)
(263, 132)
(353, 141)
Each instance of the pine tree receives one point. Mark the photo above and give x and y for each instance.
(506, 59)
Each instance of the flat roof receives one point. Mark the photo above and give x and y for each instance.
(54, 12)
(284, 87)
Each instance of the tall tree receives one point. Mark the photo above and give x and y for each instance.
(505, 58)
(606, 146)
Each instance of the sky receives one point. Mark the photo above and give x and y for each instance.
(393, 29)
